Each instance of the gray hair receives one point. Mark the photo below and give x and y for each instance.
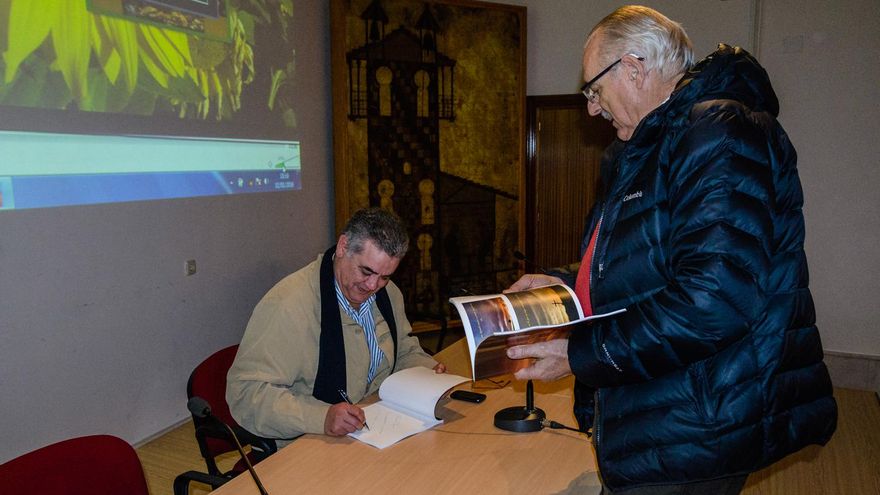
(647, 33)
(383, 227)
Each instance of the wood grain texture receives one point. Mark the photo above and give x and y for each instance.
(468, 444)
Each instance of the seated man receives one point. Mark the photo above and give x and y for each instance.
(336, 325)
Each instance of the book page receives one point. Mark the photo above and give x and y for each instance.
(490, 357)
(552, 305)
(406, 406)
(494, 322)
(389, 426)
(417, 390)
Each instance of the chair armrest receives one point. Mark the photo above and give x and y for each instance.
(260, 446)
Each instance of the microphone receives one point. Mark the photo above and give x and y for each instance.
(518, 255)
(200, 408)
(522, 419)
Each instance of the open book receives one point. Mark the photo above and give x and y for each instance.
(406, 406)
(494, 322)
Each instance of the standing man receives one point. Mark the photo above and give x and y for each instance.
(336, 324)
(715, 369)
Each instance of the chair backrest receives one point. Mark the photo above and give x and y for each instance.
(95, 464)
(208, 381)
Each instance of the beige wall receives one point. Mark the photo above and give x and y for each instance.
(820, 56)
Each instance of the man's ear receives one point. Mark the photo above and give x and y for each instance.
(341, 246)
(634, 70)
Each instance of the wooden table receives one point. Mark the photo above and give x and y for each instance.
(466, 454)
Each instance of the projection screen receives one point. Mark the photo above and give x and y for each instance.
(129, 100)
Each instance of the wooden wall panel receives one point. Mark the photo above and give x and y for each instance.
(564, 153)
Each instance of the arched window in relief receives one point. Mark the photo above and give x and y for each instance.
(422, 80)
(384, 77)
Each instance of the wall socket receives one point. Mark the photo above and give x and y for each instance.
(189, 268)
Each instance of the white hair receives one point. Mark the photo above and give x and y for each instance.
(646, 33)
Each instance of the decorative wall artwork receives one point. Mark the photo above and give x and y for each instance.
(428, 121)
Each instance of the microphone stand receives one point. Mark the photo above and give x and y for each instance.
(245, 457)
(200, 408)
(521, 419)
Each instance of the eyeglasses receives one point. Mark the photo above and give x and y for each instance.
(587, 90)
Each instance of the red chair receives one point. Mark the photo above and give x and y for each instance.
(208, 381)
(96, 464)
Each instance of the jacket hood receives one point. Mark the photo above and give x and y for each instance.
(729, 73)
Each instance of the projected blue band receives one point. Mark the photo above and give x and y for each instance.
(43, 169)
(67, 190)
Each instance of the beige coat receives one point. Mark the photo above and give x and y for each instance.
(269, 386)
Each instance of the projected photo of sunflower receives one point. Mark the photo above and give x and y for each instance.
(208, 65)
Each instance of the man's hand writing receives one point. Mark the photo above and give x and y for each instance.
(343, 419)
(552, 360)
(440, 368)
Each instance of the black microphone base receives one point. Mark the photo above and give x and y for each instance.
(519, 419)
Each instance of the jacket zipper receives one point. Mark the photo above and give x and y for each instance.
(595, 253)
(597, 430)
(599, 254)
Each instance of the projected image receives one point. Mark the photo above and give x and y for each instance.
(170, 60)
(204, 70)
(185, 13)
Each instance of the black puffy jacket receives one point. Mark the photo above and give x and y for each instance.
(715, 368)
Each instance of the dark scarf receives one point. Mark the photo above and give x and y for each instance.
(331, 378)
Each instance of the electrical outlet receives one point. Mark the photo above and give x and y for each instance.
(189, 268)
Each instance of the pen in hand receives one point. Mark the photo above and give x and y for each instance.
(346, 399)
